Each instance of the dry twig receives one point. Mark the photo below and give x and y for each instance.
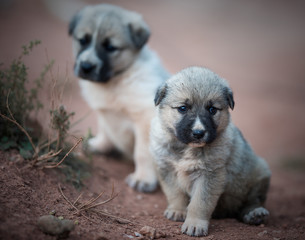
(12, 119)
(89, 205)
(61, 192)
(36, 158)
(67, 154)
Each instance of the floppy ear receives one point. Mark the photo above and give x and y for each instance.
(139, 32)
(160, 94)
(73, 23)
(229, 98)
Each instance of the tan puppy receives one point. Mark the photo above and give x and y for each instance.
(119, 76)
(205, 165)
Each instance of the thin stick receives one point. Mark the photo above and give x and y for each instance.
(91, 200)
(117, 218)
(49, 155)
(52, 94)
(112, 190)
(97, 211)
(12, 119)
(76, 200)
(59, 187)
(22, 129)
(95, 199)
(98, 204)
(46, 144)
(67, 154)
(87, 204)
(7, 105)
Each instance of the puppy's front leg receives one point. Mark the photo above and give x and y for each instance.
(177, 200)
(205, 193)
(101, 142)
(144, 179)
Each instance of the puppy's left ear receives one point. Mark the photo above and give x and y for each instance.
(139, 32)
(73, 23)
(229, 98)
(160, 94)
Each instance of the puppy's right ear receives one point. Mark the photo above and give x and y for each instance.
(139, 31)
(160, 94)
(73, 23)
(230, 98)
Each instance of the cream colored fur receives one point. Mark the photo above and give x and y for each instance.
(223, 178)
(125, 108)
(119, 83)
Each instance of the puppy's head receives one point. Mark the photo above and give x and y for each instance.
(106, 41)
(194, 106)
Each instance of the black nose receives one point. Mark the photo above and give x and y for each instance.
(87, 67)
(198, 134)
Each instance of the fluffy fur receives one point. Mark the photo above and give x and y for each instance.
(205, 166)
(119, 76)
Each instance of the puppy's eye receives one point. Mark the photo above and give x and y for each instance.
(85, 40)
(109, 47)
(212, 110)
(182, 109)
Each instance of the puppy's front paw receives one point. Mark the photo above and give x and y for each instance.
(175, 215)
(256, 216)
(99, 144)
(142, 184)
(195, 227)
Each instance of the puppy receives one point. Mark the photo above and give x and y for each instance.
(205, 166)
(119, 76)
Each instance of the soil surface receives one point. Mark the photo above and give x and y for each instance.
(26, 193)
(257, 46)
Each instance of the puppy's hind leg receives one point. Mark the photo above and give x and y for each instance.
(254, 213)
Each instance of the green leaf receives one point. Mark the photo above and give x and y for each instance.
(25, 153)
(26, 145)
(5, 145)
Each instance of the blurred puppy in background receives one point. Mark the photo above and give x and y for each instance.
(119, 76)
(205, 166)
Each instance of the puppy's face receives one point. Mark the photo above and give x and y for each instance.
(106, 41)
(193, 106)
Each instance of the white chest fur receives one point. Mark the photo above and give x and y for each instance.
(131, 92)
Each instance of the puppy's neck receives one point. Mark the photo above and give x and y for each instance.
(147, 62)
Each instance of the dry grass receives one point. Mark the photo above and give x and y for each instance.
(37, 158)
(44, 154)
(92, 204)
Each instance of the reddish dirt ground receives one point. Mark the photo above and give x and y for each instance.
(258, 47)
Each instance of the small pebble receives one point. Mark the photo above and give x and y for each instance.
(101, 236)
(148, 232)
(137, 234)
(122, 221)
(53, 212)
(54, 226)
(262, 233)
(128, 236)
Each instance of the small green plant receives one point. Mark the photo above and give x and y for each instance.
(21, 100)
(18, 100)
(60, 122)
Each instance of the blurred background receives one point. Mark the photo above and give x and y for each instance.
(258, 46)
